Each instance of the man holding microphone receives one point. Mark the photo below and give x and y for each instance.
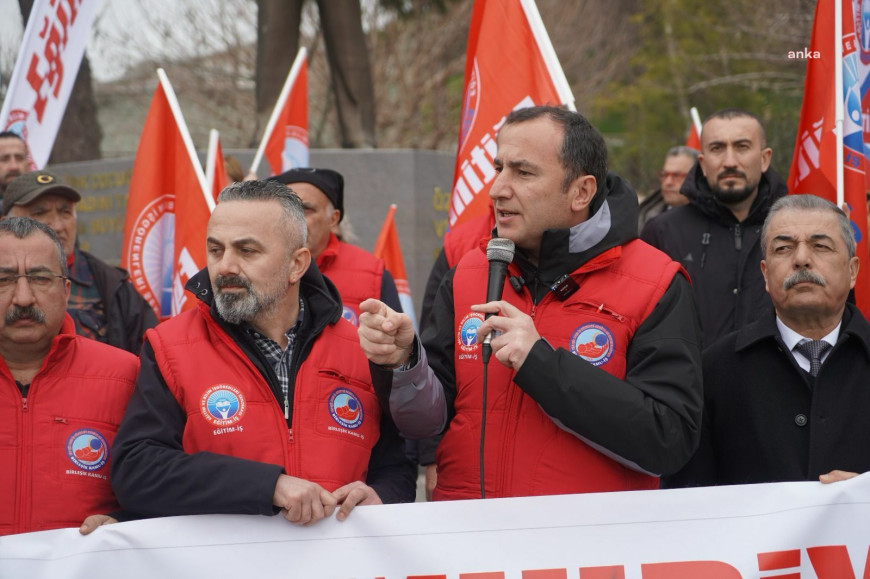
(597, 385)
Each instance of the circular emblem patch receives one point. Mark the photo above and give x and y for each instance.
(222, 405)
(152, 240)
(466, 335)
(348, 314)
(87, 449)
(594, 343)
(345, 408)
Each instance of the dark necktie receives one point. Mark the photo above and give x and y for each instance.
(813, 350)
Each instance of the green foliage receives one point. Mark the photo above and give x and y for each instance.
(709, 54)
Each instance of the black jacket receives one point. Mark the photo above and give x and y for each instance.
(128, 315)
(767, 420)
(151, 473)
(650, 206)
(649, 419)
(722, 255)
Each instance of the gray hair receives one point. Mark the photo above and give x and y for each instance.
(294, 213)
(683, 151)
(809, 203)
(22, 227)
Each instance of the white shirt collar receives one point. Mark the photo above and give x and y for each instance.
(791, 339)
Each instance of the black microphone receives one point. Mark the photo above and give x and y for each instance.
(499, 253)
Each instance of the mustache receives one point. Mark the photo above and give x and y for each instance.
(223, 281)
(16, 313)
(803, 276)
(731, 173)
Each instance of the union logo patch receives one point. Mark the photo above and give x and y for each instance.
(594, 343)
(346, 408)
(87, 449)
(466, 334)
(222, 405)
(348, 314)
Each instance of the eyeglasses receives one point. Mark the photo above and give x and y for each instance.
(37, 281)
(664, 175)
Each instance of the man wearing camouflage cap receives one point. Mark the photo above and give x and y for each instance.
(102, 302)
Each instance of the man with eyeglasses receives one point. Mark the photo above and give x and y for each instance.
(716, 236)
(678, 163)
(62, 396)
(103, 303)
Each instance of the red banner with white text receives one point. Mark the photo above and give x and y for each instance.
(510, 63)
(167, 209)
(814, 166)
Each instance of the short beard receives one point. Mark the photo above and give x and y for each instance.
(16, 313)
(732, 196)
(802, 276)
(236, 308)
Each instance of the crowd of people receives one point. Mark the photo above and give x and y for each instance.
(704, 337)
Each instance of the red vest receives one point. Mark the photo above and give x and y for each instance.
(231, 410)
(355, 272)
(54, 445)
(462, 239)
(526, 453)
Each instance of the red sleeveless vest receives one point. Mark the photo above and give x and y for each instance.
(526, 453)
(54, 444)
(231, 409)
(354, 271)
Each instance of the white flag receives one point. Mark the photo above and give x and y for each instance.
(45, 71)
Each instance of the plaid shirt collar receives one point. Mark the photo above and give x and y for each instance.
(278, 358)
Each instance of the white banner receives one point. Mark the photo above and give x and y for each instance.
(787, 530)
(48, 61)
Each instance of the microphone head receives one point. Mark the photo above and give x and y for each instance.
(500, 249)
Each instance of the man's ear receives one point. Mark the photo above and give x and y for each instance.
(300, 261)
(582, 190)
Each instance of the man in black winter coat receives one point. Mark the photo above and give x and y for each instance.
(786, 398)
(716, 236)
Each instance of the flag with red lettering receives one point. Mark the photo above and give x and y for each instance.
(814, 165)
(693, 141)
(510, 63)
(167, 209)
(285, 141)
(388, 248)
(215, 169)
(45, 70)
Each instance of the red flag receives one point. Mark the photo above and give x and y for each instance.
(814, 166)
(215, 169)
(285, 141)
(167, 208)
(510, 64)
(387, 247)
(694, 139)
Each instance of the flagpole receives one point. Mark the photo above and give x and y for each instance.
(696, 120)
(279, 106)
(838, 96)
(185, 137)
(548, 53)
(210, 161)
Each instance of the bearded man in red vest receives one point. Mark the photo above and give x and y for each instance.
(596, 382)
(259, 400)
(356, 273)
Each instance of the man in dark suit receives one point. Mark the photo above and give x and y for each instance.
(786, 398)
